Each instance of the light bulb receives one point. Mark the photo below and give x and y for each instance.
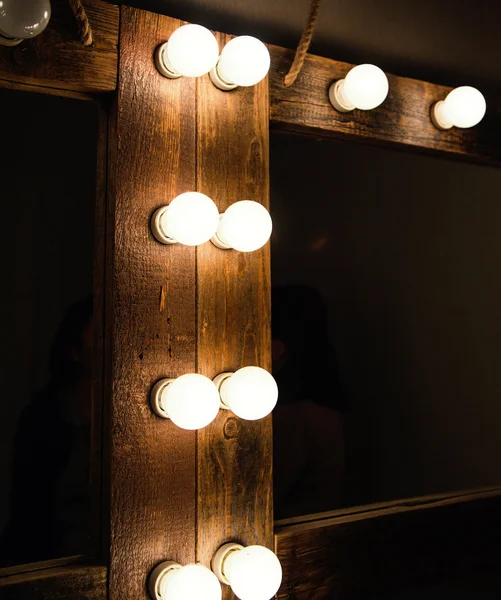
(244, 61)
(254, 573)
(190, 401)
(463, 107)
(365, 87)
(22, 19)
(245, 226)
(251, 393)
(171, 581)
(192, 51)
(190, 219)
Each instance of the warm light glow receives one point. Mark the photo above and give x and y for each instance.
(365, 87)
(254, 573)
(192, 582)
(191, 401)
(463, 107)
(190, 219)
(245, 226)
(192, 50)
(251, 393)
(23, 19)
(244, 61)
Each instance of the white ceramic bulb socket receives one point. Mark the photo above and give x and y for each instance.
(254, 572)
(171, 581)
(191, 51)
(365, 87)
(191, 219)
(464, 107)
(244, 61)
(22, 19)
(246, 226)
(190, 401)
(251, 392)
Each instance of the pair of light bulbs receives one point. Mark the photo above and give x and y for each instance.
(192, 219)
(366, 87)
(254, 573)
(22, 19)
(192, 401)
(193, 51)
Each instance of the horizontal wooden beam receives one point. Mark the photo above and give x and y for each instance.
(402, 120)
(57, 59)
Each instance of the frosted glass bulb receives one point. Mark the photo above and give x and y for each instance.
(251, 393)
(190, 219)
(192, 51)
(190, 401)
(22, 19)
(244, 61)
(463, 107)
(365, 87)
(192, 582)
(245, 226)
(254, 573)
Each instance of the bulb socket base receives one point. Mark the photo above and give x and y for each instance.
(438, 118)
(217, 241)
(337, 99)
(156, 397)
(159, 573)
(219, 82)
(217, 563)
(156, 226)
(162, 63)
(218, 382)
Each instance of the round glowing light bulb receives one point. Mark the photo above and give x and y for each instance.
(254, 573)
(365, 87)
(244, 61)
(190, 401)
(192, 51)
(463, 107)
(22, 19)
(251, 393)
(190, 219)
(245, 226)
(171, 581)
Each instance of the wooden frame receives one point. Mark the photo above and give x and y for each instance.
(176, 495)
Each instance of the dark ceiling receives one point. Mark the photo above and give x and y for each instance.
(454, 42)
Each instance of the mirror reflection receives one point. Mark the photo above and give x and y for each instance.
(385, 324)
(48, 172)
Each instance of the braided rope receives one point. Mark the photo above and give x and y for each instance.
(84, 28)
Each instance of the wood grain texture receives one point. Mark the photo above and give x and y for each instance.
(57, 58)
(234, 456)
(151, 309)
(379, 555)
(402, 120)
(68, 583)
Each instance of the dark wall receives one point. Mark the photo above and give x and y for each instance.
(405, 251)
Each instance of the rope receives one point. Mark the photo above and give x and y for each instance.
(304, 44)
(84, 28)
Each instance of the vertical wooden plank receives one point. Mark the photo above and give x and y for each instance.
(234, 456)
(151, 307)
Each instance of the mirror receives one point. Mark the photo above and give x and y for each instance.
(386, 288)
(48, 173)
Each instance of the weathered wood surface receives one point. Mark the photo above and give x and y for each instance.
(402, 120)
(57, 59)
(234, 456)
(151, 311)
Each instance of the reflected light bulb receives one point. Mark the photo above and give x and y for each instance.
(464, 107)
(365, 87)
(254, 573)
(244, 61)
(22, 19)
(192, 51)
(245, 226)
(190, 219)
(251, 393)
(171, 581)
(190, 401)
